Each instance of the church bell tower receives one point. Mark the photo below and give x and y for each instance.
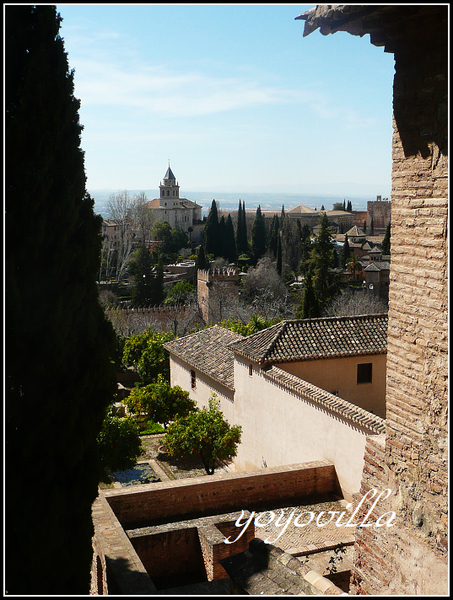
(169, 190)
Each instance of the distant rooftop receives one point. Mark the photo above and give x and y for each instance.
(312, 339)
(208, 351)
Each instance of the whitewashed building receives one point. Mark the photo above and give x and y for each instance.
(301, 390)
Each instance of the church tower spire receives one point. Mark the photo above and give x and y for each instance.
(169, 188)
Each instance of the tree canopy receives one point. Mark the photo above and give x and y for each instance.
(145, 352)
(119, 442)
(59, 375)
(386, 240)
(258, 236)
(211, 240)
(241, 231)
(325, 281)
(160, 401)
(204, 432)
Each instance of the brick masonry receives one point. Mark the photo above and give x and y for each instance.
(156, 503)
(410, 558)
(144, 532)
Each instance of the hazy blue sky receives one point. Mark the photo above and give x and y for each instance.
(233, 95)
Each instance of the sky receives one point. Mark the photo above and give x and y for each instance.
(232, 95)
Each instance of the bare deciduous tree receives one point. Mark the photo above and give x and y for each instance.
(350, 303)
(119, 210)
(142, 217)
(265, 293)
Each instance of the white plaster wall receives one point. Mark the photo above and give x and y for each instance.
(280, 428)
(180, 375)
(341, 374)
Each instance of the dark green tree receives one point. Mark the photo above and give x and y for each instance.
(171, 240)
(59, 375)
(346, 253)
(309, 306)
(201, 259)
(141, 267)
(279, 257)
(386, 241)
(258, 236)
(160, 401)
(204, 432)
(179, 293)
(306, 249)
(222, 235)
(211, 240)
(159, 293)
(119, 442)
(230, 244)
(273, 235)
(325, 281)
(145, 352)
(241, 231)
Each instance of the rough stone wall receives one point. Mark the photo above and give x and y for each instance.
(218, 293)
(410, 558)
(378, 214)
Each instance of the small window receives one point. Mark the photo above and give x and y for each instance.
(250, 370)
(365, 373)
(193, 380)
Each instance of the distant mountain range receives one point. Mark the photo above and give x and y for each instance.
(230, 200)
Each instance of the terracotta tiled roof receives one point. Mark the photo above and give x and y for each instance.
(355, 232)
(208, 351)
(378, 266)
(311, 339)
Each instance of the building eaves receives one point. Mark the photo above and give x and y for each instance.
(207, 350)
(386, 24)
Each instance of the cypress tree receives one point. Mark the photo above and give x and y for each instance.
(306, 249)
(273, 235)
(143, 293)
(230, 244)
(158, 283)
(325, 282)
(211, 232)
(309, 306)
(59, 345)
(241, 233)
(258, 237)
(386, 241)
(279, 258)
(201, 259)
(346, 251)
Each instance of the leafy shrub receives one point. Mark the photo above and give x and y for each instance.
(119, 442)
(161, 402)
(204, 432)
(145, 352)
